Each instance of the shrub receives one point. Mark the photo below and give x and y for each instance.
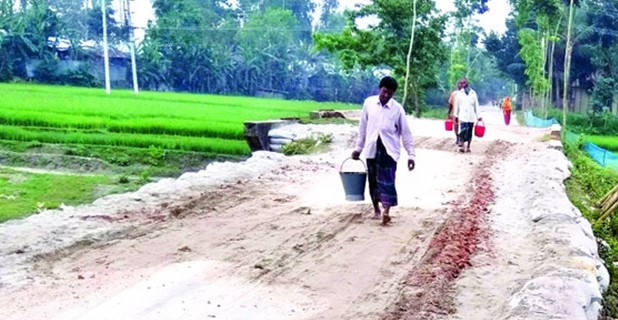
(120, 159)
(594, 123)
(300, 146)
(80, 77)
(325, 138)
(603, 94)
(587, 184)
(34, 144)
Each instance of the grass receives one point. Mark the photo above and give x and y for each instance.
(69, 136)
(606, 142)
(588, 183)
(308, 145)
(23, 193)
(83, 130)
(91, 108)
(434, 113)
(85, 113)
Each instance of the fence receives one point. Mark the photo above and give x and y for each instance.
(603, 157)
(532, 121)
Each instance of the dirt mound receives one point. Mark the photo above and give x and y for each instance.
(450, 249)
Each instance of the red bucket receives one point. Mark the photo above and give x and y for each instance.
(479, 129)
(448, 124)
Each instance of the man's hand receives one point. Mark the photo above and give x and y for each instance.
(480, 119)
(410, 164)
(355, 155)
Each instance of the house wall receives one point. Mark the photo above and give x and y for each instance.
(581, 101)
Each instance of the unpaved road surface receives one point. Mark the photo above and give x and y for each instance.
(273, 238)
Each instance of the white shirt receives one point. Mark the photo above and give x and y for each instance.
(466, 106)
(388, 122)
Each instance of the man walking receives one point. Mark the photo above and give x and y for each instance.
(383, 126)
(467, 114)
(451, 109)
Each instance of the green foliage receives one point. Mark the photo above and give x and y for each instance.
(47, 70)
(144, 177)
(306, 145)
(300, 146)
(464, 42)
(268, 33)
(26, 193)
(211, 124)
(591, 124)
(34, 144)
(532, 54)
(603, 94)
(325, 138)
(382, 45)
(155, 154)
(435, 112)
(593, 178)
(79, 150)
(605, 142)
(120, 159)
(301, 9)
(330, 20)
(80, 77)
(47, 135)
(505, 49)
(588, 183)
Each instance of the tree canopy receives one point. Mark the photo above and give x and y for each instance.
(383, 45)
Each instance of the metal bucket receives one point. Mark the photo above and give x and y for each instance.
(353, 183)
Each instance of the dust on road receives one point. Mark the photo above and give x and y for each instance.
(279, 243)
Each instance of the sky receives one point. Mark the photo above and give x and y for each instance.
(492, 20)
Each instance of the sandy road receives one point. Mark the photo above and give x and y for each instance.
(281, 245)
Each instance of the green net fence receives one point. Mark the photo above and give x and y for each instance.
(535, 122)
(602, 156)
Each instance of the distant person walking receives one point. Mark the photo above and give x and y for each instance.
(467, 114)
(451, 109)
(383, 126)
(507, 108)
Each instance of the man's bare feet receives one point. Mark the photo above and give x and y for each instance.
(386, 219)
(376, 216)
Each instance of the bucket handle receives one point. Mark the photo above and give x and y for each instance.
(344, 161)
(480, 123)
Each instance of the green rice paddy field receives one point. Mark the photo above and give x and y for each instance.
(95, 144)
(606, 142)
(608, 158)
(172, 121)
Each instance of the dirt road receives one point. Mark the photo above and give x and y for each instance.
(273, 238)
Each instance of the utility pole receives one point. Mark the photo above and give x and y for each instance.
(127, 8)
(105, 51)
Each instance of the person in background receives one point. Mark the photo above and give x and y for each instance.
(467, 114)
(451, 108)
(507, 108)
(383, 126)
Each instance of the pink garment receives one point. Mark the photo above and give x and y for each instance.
(388, 122)
(507, 117)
